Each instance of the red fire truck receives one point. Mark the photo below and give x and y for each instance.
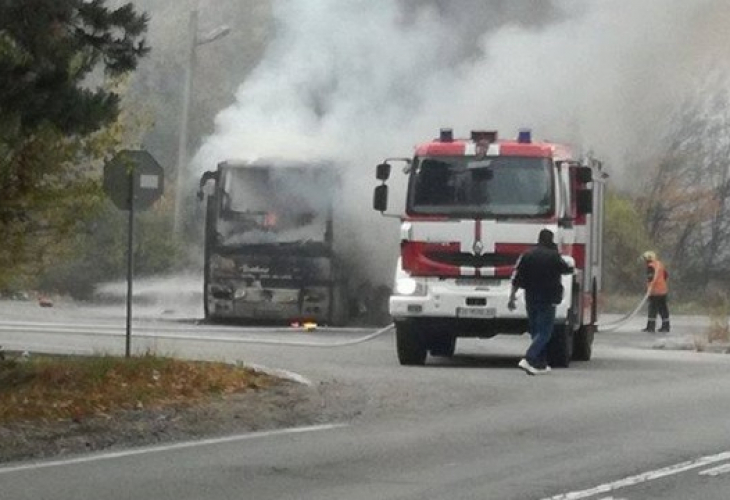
(473, 206)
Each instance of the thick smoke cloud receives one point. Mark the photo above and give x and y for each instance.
(360, 80)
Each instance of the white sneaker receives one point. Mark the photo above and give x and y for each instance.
(544, 371)
(527, 367)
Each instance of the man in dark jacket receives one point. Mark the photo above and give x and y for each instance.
(538, 272)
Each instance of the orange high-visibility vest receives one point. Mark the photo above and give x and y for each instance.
(659, 283)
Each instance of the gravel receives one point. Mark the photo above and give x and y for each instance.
(289, 404)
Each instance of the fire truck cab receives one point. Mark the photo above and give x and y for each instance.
(473, 206)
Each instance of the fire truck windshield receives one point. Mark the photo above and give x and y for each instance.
(504, 186)
(273, 206)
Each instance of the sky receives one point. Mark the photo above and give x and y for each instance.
(357, 81)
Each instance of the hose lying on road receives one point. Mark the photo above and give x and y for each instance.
(296, 343)
(601, 327)
(360, 340)
(613, 325)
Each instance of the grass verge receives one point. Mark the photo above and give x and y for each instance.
(42, 388)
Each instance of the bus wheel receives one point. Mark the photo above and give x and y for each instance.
(410, 345)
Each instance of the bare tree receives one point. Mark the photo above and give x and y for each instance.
(687, 207)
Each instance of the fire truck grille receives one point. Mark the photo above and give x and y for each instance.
(471, 260)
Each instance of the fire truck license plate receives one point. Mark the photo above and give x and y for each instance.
(476, 312)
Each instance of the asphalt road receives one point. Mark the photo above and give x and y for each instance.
(633, 423)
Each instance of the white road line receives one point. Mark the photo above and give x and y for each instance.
(34, 348)
(286, 374)
(163, 448)
(716, 471)
(119, 332)
(164, 325)
(643, 478)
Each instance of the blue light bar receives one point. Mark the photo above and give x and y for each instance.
(524, 136)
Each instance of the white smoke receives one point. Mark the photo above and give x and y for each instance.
(360, 80)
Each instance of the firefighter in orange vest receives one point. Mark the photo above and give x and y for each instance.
(657, 289)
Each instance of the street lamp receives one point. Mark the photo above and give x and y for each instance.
(194, 40)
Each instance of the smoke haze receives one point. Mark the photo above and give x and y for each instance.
(360, 80)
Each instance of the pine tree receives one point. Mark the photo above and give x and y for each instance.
(48, 48)
(55, 115)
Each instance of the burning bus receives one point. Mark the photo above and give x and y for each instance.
(269, 243)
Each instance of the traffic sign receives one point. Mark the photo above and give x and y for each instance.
(139, 168)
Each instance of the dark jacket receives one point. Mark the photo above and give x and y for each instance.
(538, 272)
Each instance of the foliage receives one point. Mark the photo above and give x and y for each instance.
(52, 223)
(55, 129)
(58, 190)
(719, 329)
(625, 239)
(97, 251)
(59, 388)
(49, 47)
(687, 208)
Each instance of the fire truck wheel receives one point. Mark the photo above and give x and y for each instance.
(594, 301)
(561, 345)
(443, 346)
(410, 345)
(583, 343)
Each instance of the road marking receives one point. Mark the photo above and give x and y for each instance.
(113, 327)
(278, 372)
(44, 348)
(643, 478)
(170, 447)
(107, 331)
(716, 471)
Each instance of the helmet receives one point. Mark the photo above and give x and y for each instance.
(648, 255)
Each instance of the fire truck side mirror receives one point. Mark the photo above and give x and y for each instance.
(584, 174)
(382, 172)
(380, 198)
(584, 201)
(203, 181)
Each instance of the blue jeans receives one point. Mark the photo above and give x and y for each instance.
(541, 318)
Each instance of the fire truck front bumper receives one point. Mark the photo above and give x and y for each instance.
(448, 299)
(436, 298)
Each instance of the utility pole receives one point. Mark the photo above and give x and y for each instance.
(193, 41)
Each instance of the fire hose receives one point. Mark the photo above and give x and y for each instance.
(296, 343)
(601, 327)
(613, 325)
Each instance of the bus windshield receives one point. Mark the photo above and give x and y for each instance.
(261, 205)
(504, 186)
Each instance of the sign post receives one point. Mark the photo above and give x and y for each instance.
(134, 181)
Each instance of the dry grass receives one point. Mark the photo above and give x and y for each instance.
(719, 329)
(49, 388)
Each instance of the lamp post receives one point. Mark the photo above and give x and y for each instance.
(194, 40)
